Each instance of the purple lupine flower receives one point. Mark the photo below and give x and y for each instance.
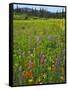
(57, 64)
(20, 74)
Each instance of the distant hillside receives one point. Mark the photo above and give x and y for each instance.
(26, 13)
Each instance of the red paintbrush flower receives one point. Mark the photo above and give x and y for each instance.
(30, 64)
(27, 74)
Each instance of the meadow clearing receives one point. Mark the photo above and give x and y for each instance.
(38, 51)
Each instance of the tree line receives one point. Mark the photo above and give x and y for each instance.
(41, 13)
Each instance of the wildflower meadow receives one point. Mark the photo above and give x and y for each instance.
(38, 51)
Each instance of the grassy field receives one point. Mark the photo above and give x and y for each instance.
(39, 51)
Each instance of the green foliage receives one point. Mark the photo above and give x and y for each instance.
(33, 38)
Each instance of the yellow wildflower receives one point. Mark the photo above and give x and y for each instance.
(49, 68)
(30, 80)
(39, 79)
(16, 65)
(44, 75)
(41, 83)
(62, 78)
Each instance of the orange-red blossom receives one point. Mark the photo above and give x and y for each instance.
(27, 74)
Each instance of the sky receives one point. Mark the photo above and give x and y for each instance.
(49, 8)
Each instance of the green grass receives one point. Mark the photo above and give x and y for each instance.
(33, 38)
